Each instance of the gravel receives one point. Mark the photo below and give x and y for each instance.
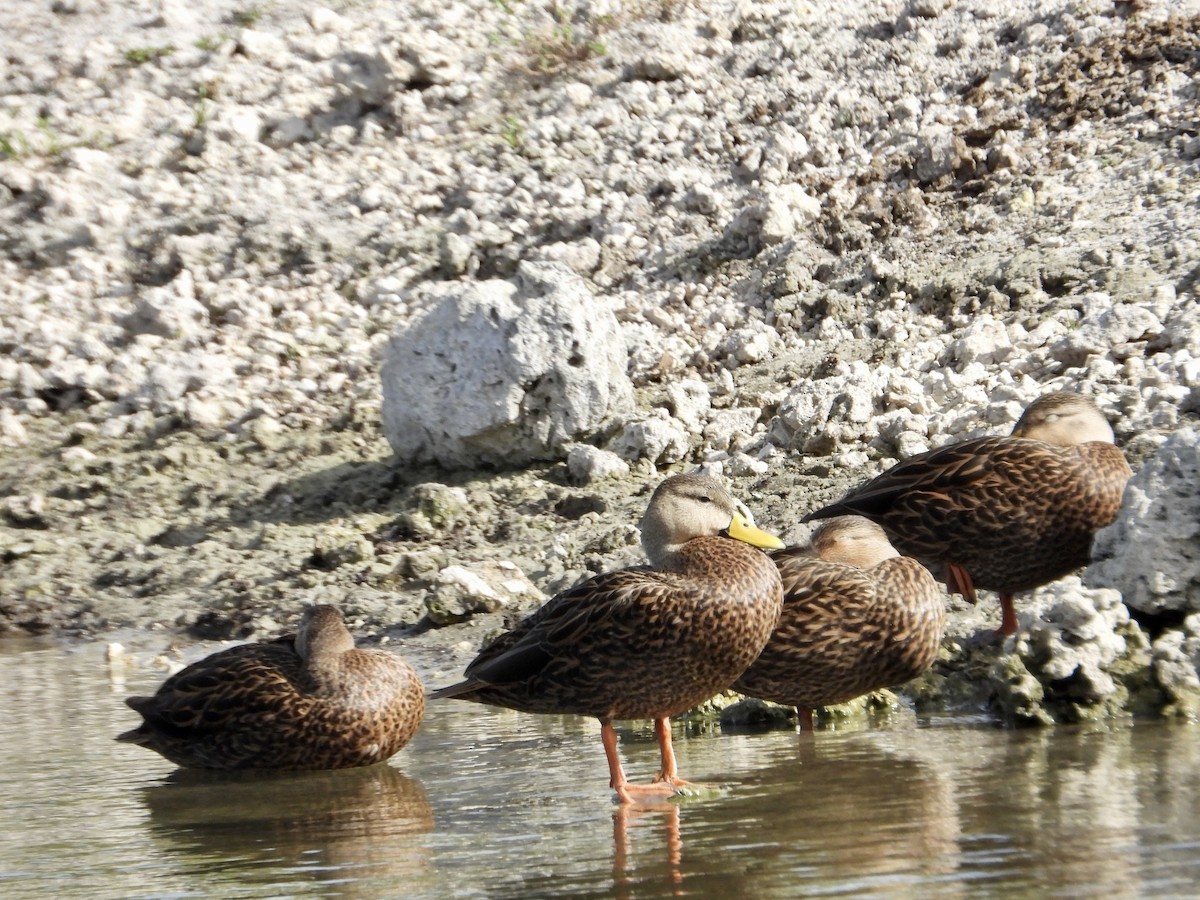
(820, 236)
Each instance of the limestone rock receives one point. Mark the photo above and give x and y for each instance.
(12, 430)
(1111, 330)
(587, 463)
(658, 437)
(751, 714)
(435, 59)
(461, 592)
(504, 372)
(1070, 650)
(787, 211)
(984, 340)
(436, 510)
(1150, 552)
(167, 312)
(1177, 667)
(940, 151)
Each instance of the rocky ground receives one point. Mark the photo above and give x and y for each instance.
(826, 237)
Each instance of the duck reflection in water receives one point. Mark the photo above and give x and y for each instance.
(876, 806)
(642, 817)
(368, 823)
(862, 808)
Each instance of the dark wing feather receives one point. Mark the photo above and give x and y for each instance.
(206, 697)
(827, 627)
(554, 633)
(1014, 512)
(941, 473)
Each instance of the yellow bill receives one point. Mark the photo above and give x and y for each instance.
(745, 530)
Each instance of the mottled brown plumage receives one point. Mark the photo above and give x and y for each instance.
(857, 617)
(644, 643)
(306, 701)
(1003, 513)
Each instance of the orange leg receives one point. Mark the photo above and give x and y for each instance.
(958, 581)
(616, 775)
(662, 731)
(805, 715)
(668, 773)
(626, 792)
(1008, 617)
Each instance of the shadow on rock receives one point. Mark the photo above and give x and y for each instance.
(345, 489)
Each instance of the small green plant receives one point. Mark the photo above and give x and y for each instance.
(555, 49)
(54, 145)
(47, 142)
(248, 16)
(202, 108)
(13, 144)
(96, 140)
(211, 42)
(512, 131)
(550, 50)
(137, 56)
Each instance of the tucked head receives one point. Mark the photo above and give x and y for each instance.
(1063, 418)
(322, 632)
(688, 506)
(852, 541)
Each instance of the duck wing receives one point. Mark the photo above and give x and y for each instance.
(981, 465)
(566, 628)
(211, 694)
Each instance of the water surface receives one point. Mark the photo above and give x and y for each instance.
(491, 803)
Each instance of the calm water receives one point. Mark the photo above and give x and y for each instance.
(488, 803)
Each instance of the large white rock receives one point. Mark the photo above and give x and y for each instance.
(1076, 632)
(1150, 552)
(504, 372)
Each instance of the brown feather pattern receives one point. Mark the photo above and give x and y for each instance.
(845, 631)
(638, 643)
(305, 701)
(1015, 512)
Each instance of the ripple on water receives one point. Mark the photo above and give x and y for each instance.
(491, 803)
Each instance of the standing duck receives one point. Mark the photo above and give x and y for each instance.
(647, 642)
(857, 617)
(311, 700)
(1003, 513)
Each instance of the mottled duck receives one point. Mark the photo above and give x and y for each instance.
(857, 617)
(311, 700)
(1003, 513)
(646, 642)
